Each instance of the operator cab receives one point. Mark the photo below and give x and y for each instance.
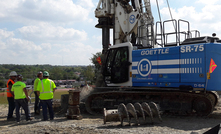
(117, 65)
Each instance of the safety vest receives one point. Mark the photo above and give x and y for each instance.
(36, 84)
(46, 93)
(8, 92)
(18, 89)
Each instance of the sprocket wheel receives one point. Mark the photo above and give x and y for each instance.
(203, 106)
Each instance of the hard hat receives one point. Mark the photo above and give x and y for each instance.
(45, 73)
(19, 76)
(13, 73)
(40, 72)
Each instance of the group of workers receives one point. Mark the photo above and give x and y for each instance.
(17, 96)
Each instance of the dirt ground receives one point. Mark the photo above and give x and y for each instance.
(94, 124)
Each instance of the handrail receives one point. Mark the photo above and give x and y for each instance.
(162, 36)
(175, 28)
(188, 30)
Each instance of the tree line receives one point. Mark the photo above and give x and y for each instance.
(56, 72)
(87, 73)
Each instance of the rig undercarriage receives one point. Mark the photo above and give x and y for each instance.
(168, 100)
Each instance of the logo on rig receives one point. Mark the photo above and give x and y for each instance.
(144, 67)
(132, 19)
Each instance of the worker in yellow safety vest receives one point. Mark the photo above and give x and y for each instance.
(21, 98)
(10, 95)
(37, 108)
(46, 88)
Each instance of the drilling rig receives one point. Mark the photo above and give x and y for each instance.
(178, 70)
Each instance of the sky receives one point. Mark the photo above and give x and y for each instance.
(62, 32)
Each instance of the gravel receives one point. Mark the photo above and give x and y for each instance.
(94, 125)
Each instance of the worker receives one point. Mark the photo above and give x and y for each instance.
(46, 89)
(10, 95)
(21, 98)
(37, 108)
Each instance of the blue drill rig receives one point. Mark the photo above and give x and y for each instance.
(177, 69)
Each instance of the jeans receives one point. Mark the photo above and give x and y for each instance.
(24, 104)
(11, 106)
(47, 104)
(37, 105)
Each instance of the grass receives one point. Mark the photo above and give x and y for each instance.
(57, 95)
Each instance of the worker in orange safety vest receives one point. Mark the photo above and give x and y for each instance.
(10, 95)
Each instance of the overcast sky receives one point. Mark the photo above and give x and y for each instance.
(62, 32)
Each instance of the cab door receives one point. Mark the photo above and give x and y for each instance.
(117, 66)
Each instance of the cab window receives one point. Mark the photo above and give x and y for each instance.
(117, 69)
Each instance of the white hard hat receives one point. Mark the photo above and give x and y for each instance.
(13, 73)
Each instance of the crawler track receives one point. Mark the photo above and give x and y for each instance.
(173, 101)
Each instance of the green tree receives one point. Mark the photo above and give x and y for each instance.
(98, 77)
(2, 83)
(56, 73)
(30, 71)
(89, 73)
(78, 69)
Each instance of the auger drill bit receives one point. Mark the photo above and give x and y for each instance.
(155, 110)
(123, 113)
(139, 110)
(147, 110)
(131, 110)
